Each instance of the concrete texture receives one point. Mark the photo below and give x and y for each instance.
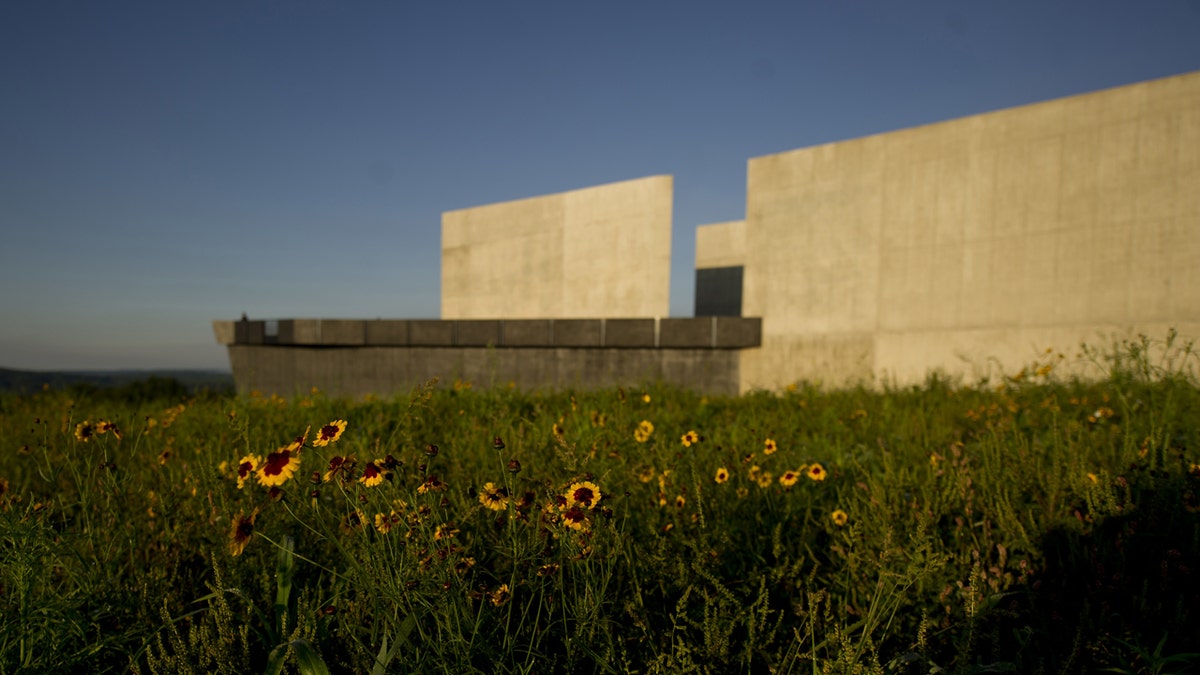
(598, 252)
(287, 371)
(721, 245)
(970, 246)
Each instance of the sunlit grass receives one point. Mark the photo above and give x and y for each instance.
(1036, 524)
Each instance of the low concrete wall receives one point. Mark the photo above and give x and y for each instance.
(356, 371)
(346, 357)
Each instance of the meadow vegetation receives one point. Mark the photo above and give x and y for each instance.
(1034, 524)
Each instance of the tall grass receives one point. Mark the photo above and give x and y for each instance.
(1039, 524)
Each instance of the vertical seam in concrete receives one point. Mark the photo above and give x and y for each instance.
(712, 333)
(552, 342)
(657, 324)
(603, 335)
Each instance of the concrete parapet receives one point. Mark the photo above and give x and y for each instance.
(392, 332)
(431, 333)
(578, 332)
(527, 333)
(343, 332)
(737, 332)
(477, 332)
(249, 332)
(630, 333)
(300, 331)
(696, 332)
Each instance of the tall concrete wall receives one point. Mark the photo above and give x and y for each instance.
(996, 235)
(599, 252)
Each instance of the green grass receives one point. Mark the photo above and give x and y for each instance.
(1034, 525)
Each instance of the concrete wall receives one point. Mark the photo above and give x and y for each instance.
(355, 371)
(598, 252)
(996, 235)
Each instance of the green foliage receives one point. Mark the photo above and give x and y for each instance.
(1038, 525)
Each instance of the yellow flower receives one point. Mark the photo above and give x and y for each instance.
(586, 494)
(240, 531)
(645, 398)
(85, 430)
(373, 473)
(494, 498)
(769, 446)
(384, 523)
(1092, 477)
(689, 438)
(576, 519)
(680, 501)
(329, 433)
(765, 479)
(722, 475)
(839, 517)
(789, 478)
(816, 472)
(246, 468)
(647, 474)
(500, 595)
(278, 467)
(445, 531)
(643, 431)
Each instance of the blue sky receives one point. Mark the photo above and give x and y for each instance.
(163, 164)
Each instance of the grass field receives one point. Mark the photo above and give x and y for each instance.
(1036, 525)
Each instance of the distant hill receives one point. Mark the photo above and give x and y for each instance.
(25, 381)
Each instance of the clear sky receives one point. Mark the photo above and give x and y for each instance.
(164, 164)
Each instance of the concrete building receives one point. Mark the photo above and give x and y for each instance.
(981, 240)
(966, 247)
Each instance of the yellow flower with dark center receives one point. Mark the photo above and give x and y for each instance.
(240, 532)
(85, 430)
(689, 438)
(494, 498)
(104, 426)
(646, 474)
(754, 472)
(500, 595)
(576, 519)
(278, 467)
(722, 475)
(431, 484)
(548, 570)
(384, 523)
(839, 517)
(765, 479)
(445, 531)
(769, 446)
(329, 433)
(789, 478)
(816, 472)
(246, 468)
(340, 467)
(373, 473)
(680, 501)
(585, 494)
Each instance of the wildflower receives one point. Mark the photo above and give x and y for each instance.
(373, 473)
(246, 468)
(85, 430)
(680, 501)
(1092, 477)
(384, 523)
(548, 570)
(558, 430)
(769, 446)
(722, 475)
(839, 517)
(585, 494)
(494, 498)
(464, 565)
(431, 484)
(646, 474)
(104, 426)
(340, 467)
(514, 465)
(789, 478)
(765, 479)
(298, 442)
(598, 418)
(645, 398)
(278, 467)
(576, 519)
(643, 431)
(445, 531)
(689, 438)
(240, 531)
(500, 595)
(742, 491)
(329, 433)
(816, 472)
(754, 472)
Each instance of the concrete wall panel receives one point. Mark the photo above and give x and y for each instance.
(876, 258)
(596, 252)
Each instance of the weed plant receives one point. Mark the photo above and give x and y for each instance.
(1037, 525)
